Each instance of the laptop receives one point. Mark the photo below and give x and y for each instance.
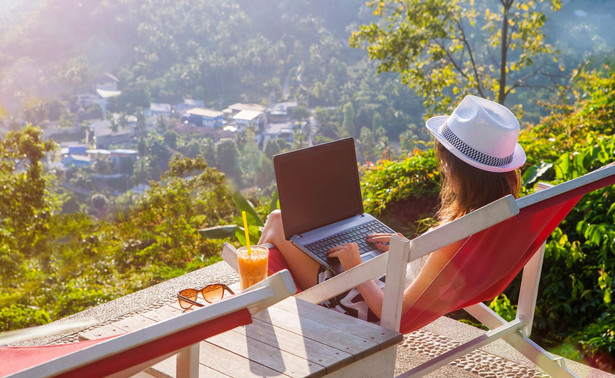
(321, 203)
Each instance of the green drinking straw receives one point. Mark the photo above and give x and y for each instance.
(245, 227)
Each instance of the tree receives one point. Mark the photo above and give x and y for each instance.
(26, 205)
(272, 148)
(228, 160)
(348, 125)
(100, 205)
(377, 122)
(446, 48)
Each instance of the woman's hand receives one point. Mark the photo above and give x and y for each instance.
(380, 240)
(348, 254)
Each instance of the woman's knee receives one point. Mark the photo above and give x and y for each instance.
(273, 226)
(275, 218)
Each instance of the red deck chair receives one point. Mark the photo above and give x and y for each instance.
(497, 248)
(133, 352)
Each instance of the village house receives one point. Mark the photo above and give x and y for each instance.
(280, 112)
(247, 118)
(278, 131)
(159, 109)
(232, 110)
(122, 157)
(75, 161)
(187, 104)
(204, 117)
(105, 136)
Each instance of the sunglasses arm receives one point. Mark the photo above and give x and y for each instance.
(189, 300)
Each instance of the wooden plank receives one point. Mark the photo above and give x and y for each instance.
(272, 357)
(232, 364)
(333, 336)
(347, 324)
(294, 343)
(163, 313)
(167, 368)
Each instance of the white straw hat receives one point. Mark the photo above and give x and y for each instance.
(482, 133)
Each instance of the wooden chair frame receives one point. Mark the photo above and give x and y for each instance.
(255, 299)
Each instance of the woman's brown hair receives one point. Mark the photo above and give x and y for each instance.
(466, 188)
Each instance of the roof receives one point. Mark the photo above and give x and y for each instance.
(70, 159)
(159, 107)
(123, 151)
(194, 103)
(282, 107)
(205, 112)
(239, 107)
(108, 94)
(247, 115)
(103, 128)
(98, 152)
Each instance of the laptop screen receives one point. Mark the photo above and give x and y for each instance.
(318, 186)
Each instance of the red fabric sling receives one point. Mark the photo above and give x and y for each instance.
(277, 263)
(117, 362)
(489, 261)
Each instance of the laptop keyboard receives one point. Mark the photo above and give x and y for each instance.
(355, 234)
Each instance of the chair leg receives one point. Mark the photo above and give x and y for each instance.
(553, 366)
(187, 365)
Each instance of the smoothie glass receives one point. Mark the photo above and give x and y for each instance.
(253, 265)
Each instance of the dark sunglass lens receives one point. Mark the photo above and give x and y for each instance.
(188, 293)
(213, 293)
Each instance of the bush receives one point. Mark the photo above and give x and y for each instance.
(402, 193)
(16, 316)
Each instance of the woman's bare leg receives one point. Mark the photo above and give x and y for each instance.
(302, 267)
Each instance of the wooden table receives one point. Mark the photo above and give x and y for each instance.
(291, 338)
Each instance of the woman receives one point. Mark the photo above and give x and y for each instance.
(478, 155)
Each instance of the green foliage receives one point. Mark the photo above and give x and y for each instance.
(237, 231)
(26, 205)
(85, 262)
(577, 288)
(591, 112)
(575, 304)
(443, 49)
(502, 305)
(597, 342)
(163, 226)
(402, 193)
(16, 316)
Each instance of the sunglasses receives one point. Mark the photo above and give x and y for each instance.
(211, 293)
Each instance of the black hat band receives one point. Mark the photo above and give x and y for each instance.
(470, 152)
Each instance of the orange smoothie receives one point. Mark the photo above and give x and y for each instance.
(253, 266)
